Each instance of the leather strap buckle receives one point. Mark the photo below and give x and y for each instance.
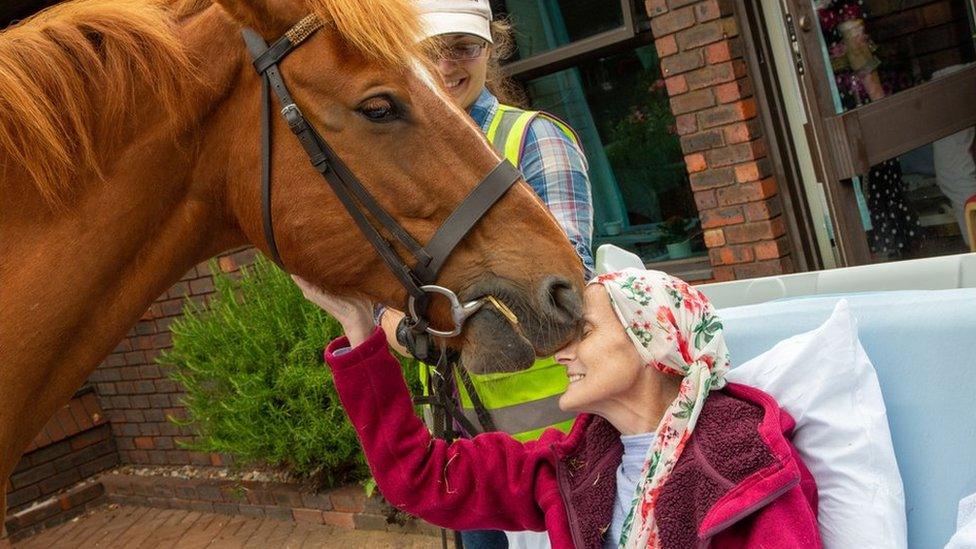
(293, 116)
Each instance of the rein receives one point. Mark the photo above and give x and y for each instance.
(420, 278)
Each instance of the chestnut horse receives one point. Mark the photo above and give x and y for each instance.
(129, 152)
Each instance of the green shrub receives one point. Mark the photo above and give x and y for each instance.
(256, 387)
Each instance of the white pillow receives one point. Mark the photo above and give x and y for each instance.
(965, 536)
(824, 379)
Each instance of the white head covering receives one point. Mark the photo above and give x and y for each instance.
(455, 17)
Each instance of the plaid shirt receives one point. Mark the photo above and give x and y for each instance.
(556, 169)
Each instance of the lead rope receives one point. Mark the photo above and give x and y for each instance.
(441, 383)
(484, 416)
(446, 412)
(444, 416)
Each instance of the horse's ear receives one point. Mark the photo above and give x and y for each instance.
(270, 18)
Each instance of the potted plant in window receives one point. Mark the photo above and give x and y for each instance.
(677, 239)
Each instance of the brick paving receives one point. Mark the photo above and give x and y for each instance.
(136, 527)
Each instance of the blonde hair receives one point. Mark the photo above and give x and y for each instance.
(501, 86)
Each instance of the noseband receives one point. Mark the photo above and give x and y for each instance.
(419, 280)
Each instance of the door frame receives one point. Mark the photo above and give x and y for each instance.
(784, 163)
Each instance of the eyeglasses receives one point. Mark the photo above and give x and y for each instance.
(462, 52)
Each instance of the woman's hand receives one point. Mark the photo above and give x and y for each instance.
(354, 313)
(389, 321)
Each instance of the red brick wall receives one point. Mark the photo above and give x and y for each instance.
(136, 393)
(933, 35)
(712, 100)
(74, 445)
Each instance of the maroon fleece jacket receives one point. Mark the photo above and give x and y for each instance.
(738, 482)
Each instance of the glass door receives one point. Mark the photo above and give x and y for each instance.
(889, 87)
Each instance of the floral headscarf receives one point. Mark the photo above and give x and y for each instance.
(675, 330)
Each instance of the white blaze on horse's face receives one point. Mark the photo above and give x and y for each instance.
(426, 76)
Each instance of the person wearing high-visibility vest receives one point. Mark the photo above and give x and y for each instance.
(548, 153)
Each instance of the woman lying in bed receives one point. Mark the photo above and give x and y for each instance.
(664, 453)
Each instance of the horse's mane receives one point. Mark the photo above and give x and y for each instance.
(72, 72)
(385, 31)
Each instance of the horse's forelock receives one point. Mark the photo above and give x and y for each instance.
(386, 32)
(186, 8)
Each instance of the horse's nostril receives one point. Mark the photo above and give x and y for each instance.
(564, 302)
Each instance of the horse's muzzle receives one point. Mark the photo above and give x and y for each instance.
(544, 322)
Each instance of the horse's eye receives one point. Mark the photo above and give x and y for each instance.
(379, 109)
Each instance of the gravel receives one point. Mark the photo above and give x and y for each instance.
(195, 471)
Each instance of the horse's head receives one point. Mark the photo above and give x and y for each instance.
(363, 84)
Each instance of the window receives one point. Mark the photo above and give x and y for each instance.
(592, 63)
(547, 25)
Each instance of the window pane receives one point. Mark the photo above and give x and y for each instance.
(543, 25)
(875, 48)
(914, 206)
(619, 107)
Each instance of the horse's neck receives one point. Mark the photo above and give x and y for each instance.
(75, 279)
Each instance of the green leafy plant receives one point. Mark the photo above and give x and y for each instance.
(256, 388)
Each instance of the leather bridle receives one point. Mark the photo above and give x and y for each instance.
(419, 280)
